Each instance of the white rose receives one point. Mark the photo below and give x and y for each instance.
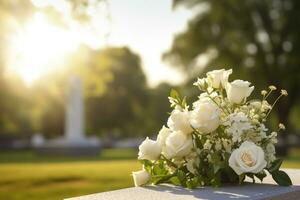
(149, 149)
(247, 158)
(140, 177)
(162, 135)
(178, 145)
(205, 117)
(204, 97)
(238, 90)
(179, 121)
(218, 78)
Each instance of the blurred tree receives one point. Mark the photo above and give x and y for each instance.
(121, 108)
(258, 38)
(158, 108)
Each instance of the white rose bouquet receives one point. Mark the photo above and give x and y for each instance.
(221, 138)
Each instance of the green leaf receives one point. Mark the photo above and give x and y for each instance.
(158, 170)
(147, 165)
(216, 167)
(241, 178)
(184, 103)
(216, 181)
(261, 176)
(161, 179)
(181, 177)
(174, 180)
(251, 176)
(275, 165)
(281, 178)
(174, 94)
(192, 183)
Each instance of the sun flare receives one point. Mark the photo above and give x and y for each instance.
(39, 47)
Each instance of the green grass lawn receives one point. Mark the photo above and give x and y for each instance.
(24, 175)
(61, 180)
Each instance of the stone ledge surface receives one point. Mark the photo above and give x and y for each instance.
(268, 190)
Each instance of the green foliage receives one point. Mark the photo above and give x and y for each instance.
(176, 100)
(261, 175)
(275, 165)
(281, 178)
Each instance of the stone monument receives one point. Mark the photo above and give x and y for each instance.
(74, 142)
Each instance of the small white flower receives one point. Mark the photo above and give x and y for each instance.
(218, 78)
(273, 137)
(177, 145)
(266, 105)
(207, 145)
(248, 158)
(264, 92)
(179, 121)
(227, 145)
(140, 177)
(272, 87)
(270, 148)
(149, 149)
(256, 104)
(237, 124)
(172, 101)
(238, 90)
(201, 83)
(262, 130)
(218, 145)
(284, 92)
(281, 126)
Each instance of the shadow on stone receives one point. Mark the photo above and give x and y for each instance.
(245, 191)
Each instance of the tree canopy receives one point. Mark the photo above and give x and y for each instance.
(258, 38)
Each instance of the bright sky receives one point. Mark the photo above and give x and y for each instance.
(146, 27)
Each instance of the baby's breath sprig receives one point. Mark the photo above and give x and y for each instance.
(281, 126)
(267, 94)
(282, 93)
(264, 92)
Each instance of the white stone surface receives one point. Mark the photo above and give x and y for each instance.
(266, 191)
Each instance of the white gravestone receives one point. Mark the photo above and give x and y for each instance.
(74, 123)
(74, 142)
(267, 190)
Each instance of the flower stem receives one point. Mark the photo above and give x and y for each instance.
(273, 105)
(169, 162)
(218, 105)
